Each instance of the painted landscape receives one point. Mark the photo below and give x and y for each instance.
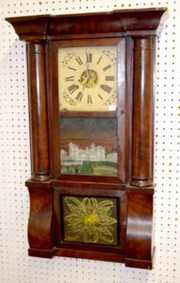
(88, 146)
(93, 160)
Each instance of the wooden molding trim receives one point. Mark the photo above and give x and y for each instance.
(137, 22)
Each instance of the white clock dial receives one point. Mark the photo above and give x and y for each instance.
(87, 78)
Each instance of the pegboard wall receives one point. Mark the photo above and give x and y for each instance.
(15, 265)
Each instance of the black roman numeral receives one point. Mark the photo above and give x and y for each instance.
(79, 96)
(73, 88)
(69, 79)
(106, 88)
(89, 99)
(89, 57)
(79, 60)
(71, 68)
(107, 67)
(109, 78)
(99, 60)
(100, 96)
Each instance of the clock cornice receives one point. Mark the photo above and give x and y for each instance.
(138, 22)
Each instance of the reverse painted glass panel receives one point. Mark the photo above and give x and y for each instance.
(88, 146)
(90, 220)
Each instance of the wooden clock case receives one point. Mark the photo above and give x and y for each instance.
(135, 31)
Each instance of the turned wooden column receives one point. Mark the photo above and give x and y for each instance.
(142, 135)
(40, 190)
(38, 110)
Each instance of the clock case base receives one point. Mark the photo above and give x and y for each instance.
(129, 262)
(134, 190)
(135, 221)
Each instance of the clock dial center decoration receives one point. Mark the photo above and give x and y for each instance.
(87, 78)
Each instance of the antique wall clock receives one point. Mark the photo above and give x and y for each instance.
(90, 79)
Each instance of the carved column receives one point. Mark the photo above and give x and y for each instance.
(38, 110)
(142, 136)
(140, 191)
(40, 189)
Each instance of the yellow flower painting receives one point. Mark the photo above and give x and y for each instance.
(90, 220)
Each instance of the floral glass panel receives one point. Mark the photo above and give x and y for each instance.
(90, 220)
(88, 146)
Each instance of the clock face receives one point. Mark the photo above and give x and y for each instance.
(87, 78)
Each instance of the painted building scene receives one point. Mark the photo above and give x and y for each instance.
(92, 160)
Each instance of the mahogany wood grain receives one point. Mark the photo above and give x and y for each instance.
(41, 216)
(133, 33)
(38, 110)
(139, 22)
(142, 157)
(139, 227)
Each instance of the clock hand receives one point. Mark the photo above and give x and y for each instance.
(87, 66)
(86, 78)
